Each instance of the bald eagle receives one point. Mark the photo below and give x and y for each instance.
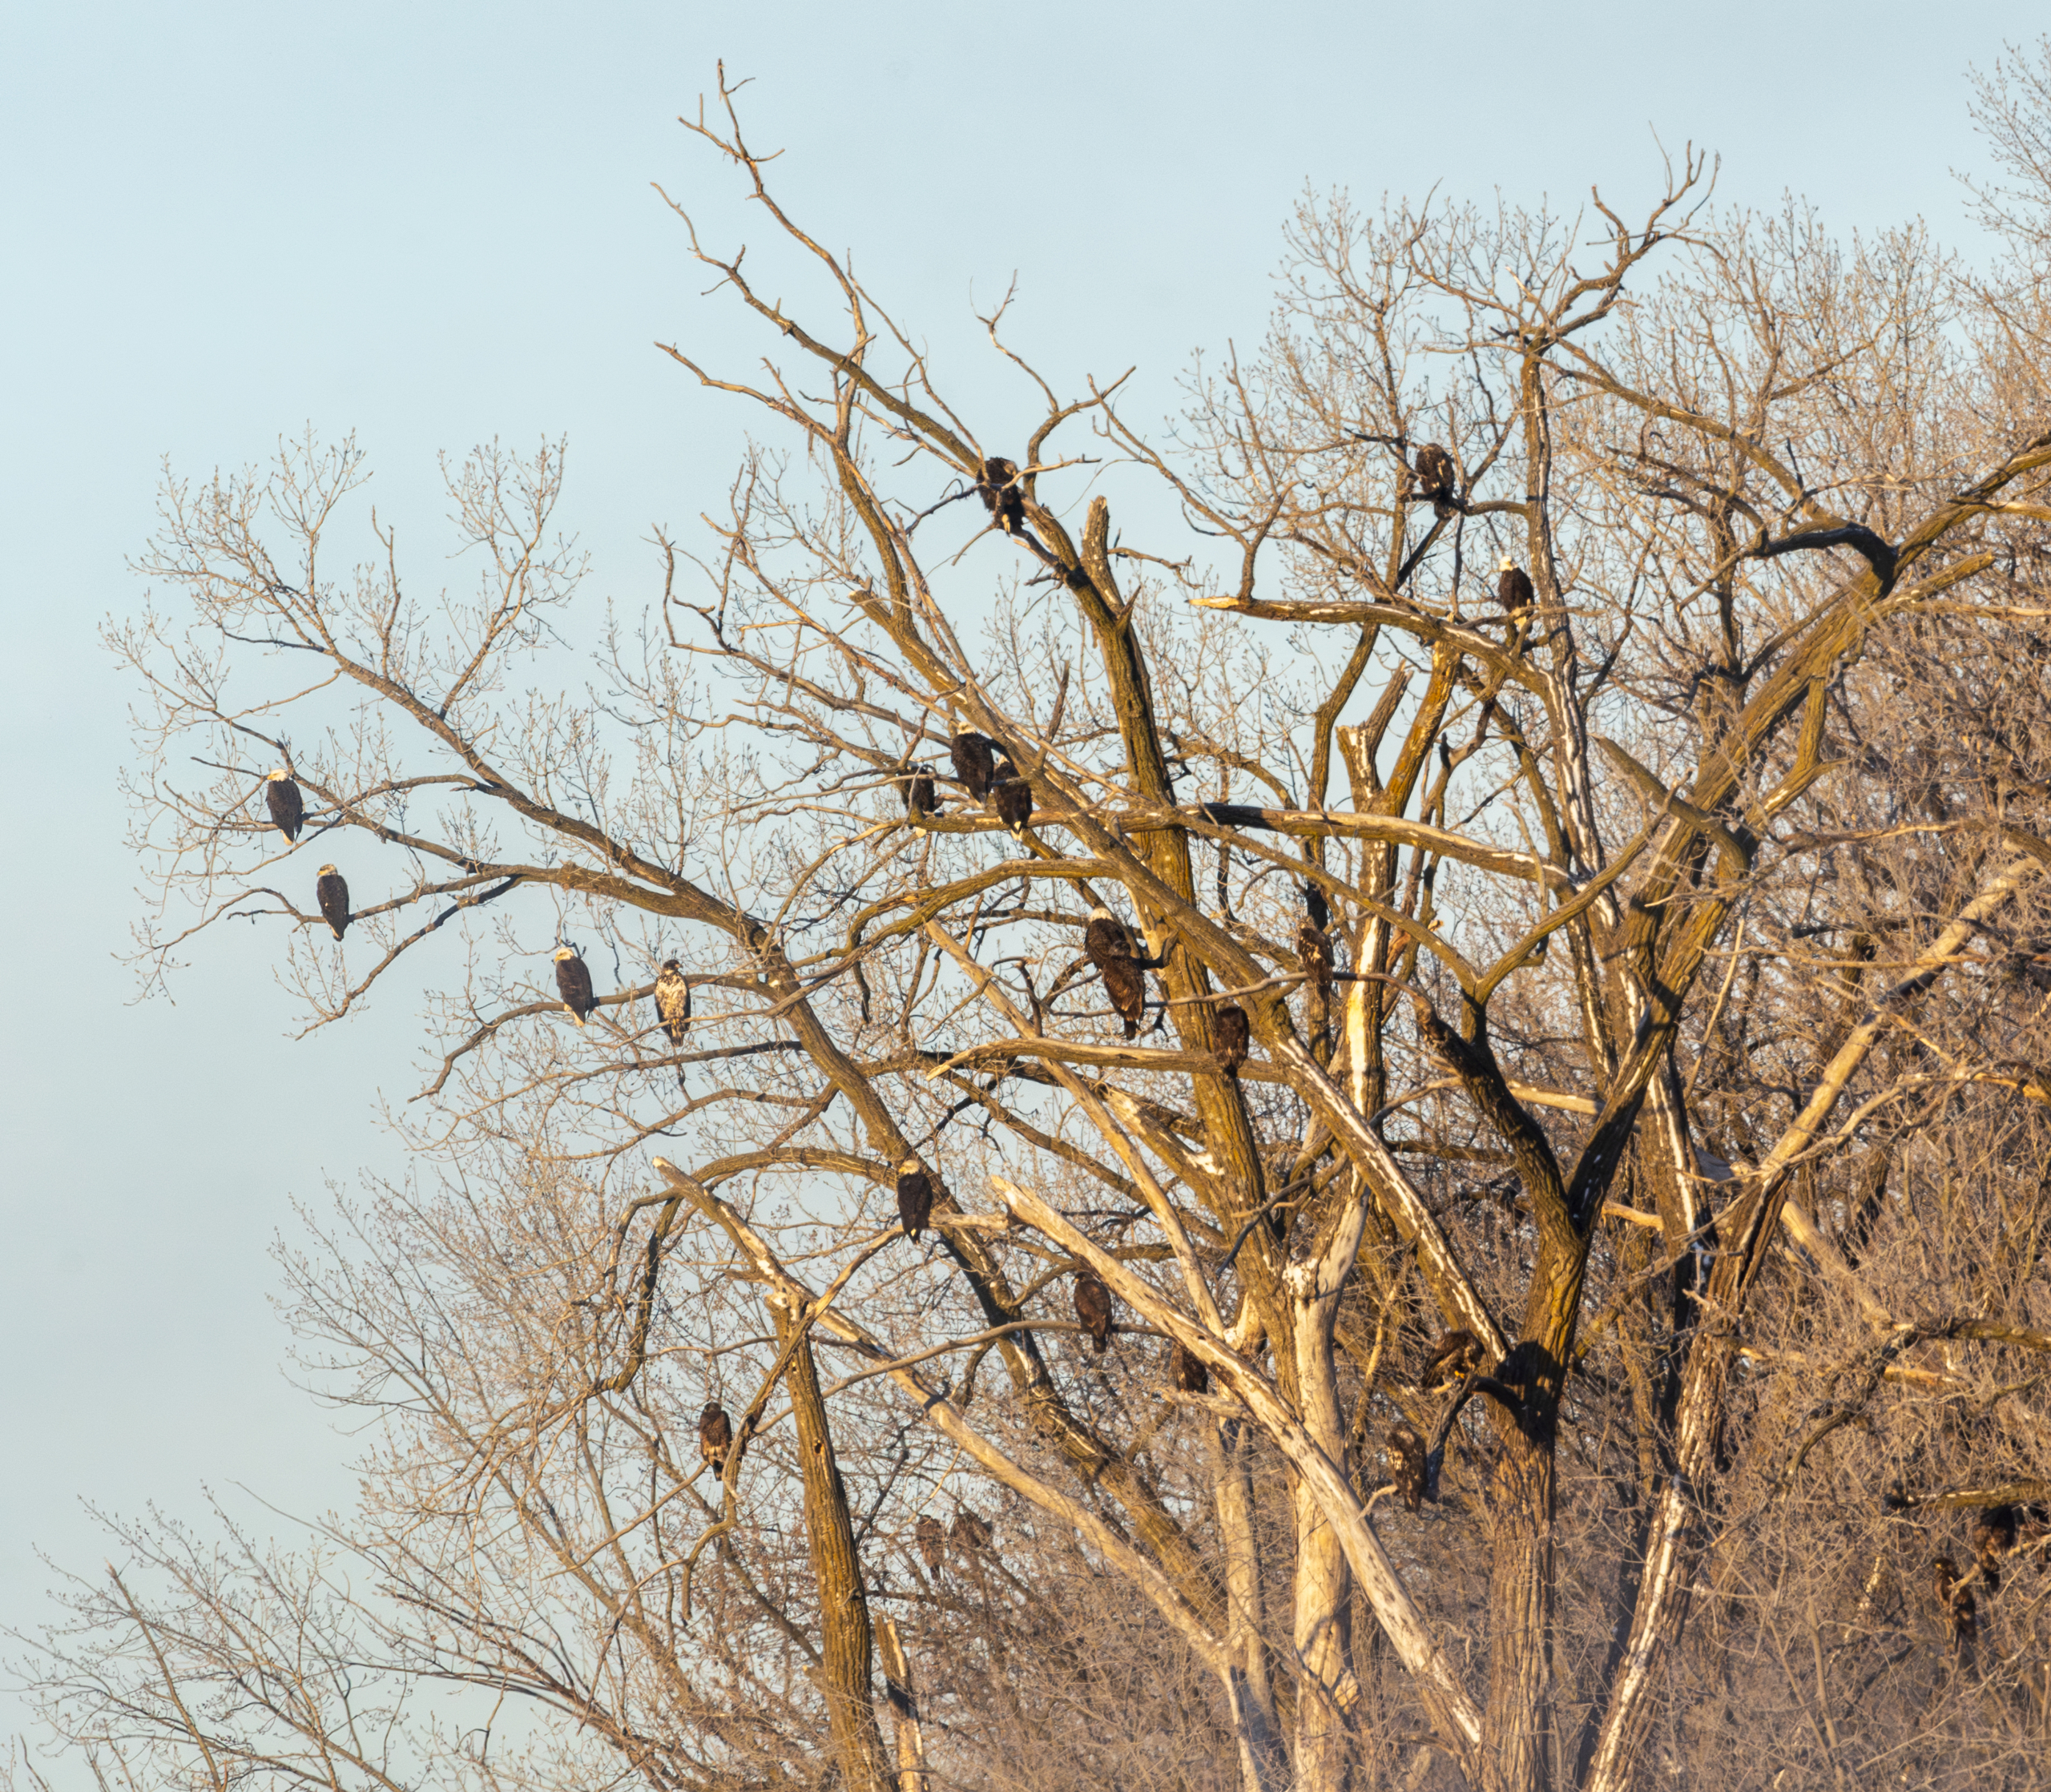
(918, 794)
(975, 763)
(715, 1435)
(573, 979)
(288, 808)
(1228, 1037)
(1956, 1609)
(1108, 946)
(932, 1543)
(1319, 909)
(1458, 1352)
(1435, 476)
(971, 1531)
(1993, 1536)
(914, 1197)
(1014, 805)
(333, 895)
(998, 489)
(1514, 586)
(1313, 952)
(1187, 1371)
(1092, 1308)
(1406, 1463)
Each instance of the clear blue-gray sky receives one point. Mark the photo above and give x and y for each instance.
(433, 224)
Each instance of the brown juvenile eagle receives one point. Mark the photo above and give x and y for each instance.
(1458, 1353)
(975, 763)
(1108, 946)
(288, 808)
(715, 1435)
(914, 1197)
(1435, 478)
(332, 893)
(573, 982)
(1092, 1308)
(1406, 1463)
(1229, 1037)
(998, 487)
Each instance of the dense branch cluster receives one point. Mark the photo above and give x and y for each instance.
(1254, 1149)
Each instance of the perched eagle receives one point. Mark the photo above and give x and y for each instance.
(1319, 909)
(914, 1197)
(1187, 1371)
(972, 1531)
(1435, 476)
(1993, 1536)
(1458, 1353)
(1956, 1609)
(1014, 805)
(1107, 943)
(1514, 586)
(1406, 1463)
(333, 895)
(998, 489)
(715, 1436)
(932, 1543)
(673, 1006)
(975, 763)
(917, 792)
(573, 978)
(288, 808)
(1229, 1037)
(1092, 1308)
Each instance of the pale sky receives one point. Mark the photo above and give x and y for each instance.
(434, 225)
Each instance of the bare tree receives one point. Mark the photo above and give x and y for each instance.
(1366, 1265)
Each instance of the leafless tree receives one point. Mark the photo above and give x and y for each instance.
(1657, 996)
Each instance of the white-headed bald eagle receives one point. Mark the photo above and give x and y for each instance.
(1513, 590)
(288, 808)
(333, 893)
(573, 979)
(1014, 799)
(914, 1197)
(975, 762)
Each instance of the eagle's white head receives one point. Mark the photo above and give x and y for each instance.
(328, 870)
(1510, 563)
(280, 776)
(563, 953)
(1099, 912)
(908, 1166)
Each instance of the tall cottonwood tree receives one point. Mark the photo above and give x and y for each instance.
(1685, 1048)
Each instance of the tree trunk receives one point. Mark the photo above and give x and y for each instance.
(846, 1640)
(904, 1706)
(1249, 1689)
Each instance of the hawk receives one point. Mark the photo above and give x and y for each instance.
(673, 1006)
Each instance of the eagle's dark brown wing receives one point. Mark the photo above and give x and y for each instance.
(334, 895)
(914, 1201)
(975, 763)
(288, 808)
(1125, 984)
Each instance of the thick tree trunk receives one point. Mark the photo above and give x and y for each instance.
(1322, 1629)
(1249, 1688)
(846, 1640)
(904, 1707)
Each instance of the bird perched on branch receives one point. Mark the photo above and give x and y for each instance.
(1435, 478)
(972, 1531)
(932, 1543)
(1318, 908)
(673, 1006)
(1993, 1536)
(573, 980)
(1458, 1354)
(1187, 1371)
(1014, 797)
(715, 1436)
(1230, 1038)
(1406, 1463)
(998, 489)
(1513, 590)
(288, 808)
(914, 1197)
(1956, 1609)
(1314, 952)
(917, 792)
(1107, 943)
(1092, 1308)
(332, 894)
(975, 763)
